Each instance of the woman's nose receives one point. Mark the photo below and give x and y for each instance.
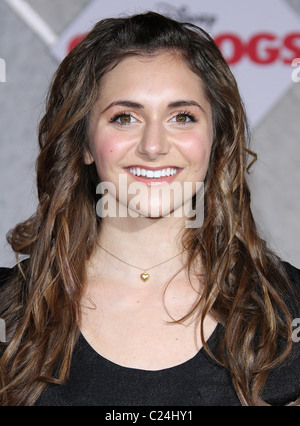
(153, 142)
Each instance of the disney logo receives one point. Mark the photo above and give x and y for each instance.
(182, 14)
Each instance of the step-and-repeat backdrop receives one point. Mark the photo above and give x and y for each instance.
(259, 38)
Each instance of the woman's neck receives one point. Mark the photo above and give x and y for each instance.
(126, 247)
(149, 239)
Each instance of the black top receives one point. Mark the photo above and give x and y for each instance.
(96, 381)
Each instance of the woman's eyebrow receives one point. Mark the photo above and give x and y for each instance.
(185, 103)
(128, 104)
(175, 104)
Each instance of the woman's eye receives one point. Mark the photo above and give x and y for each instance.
(123, 119)
(183, 118)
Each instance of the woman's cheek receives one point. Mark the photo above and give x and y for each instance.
(104, 147)
(109, 150)
(196, 147)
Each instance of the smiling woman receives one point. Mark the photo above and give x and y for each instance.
(150, 102)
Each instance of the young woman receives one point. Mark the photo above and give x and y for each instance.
(124, 299)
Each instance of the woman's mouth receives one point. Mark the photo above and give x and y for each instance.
(154, 175)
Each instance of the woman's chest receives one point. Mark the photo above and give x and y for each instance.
(141, 332)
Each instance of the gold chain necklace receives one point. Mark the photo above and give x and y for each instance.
(145, 274)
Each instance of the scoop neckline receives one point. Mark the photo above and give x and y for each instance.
(115, 365)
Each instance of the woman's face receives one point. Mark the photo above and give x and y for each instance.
(151, 128)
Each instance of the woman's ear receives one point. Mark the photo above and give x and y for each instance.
(88, 158)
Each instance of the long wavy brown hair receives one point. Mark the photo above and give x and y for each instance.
(244, 282)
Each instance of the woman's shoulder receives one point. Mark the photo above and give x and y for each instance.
(7, 273)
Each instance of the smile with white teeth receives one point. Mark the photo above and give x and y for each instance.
(154, 174)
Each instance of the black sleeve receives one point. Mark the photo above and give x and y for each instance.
(6, 274)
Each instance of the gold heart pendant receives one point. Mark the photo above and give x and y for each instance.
(145, 276)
